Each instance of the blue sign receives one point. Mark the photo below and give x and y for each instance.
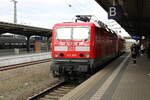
(38, 38)
(115, 12)
(135, 37)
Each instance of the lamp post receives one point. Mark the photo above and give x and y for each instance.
(15, 10)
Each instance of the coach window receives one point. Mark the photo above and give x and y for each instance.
(96, 36)
(6, 44)
(99, 33)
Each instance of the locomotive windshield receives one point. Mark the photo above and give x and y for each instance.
(72, 33)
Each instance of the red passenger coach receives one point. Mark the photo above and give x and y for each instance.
(80, 47)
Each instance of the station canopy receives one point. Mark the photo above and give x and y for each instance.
(23, 30)
(136, 16)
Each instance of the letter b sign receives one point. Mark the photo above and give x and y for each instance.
(114, 12)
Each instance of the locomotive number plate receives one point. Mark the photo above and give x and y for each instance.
(73, 55)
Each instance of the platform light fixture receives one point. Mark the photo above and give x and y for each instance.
(143, 37)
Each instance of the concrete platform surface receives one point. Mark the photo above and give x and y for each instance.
(16, 59)
(126, 81)
(135, 82)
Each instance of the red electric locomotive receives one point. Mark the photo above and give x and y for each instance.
(80, 47)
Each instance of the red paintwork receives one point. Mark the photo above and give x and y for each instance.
(101, 43)
(121, 43)
(105, 43)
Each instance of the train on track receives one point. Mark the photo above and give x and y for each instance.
(81, 47)
(21, 43)
(11, 43)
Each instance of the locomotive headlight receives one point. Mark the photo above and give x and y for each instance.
(87, 55)
(56, 54)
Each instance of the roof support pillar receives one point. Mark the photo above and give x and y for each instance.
(114, 2)
(148, 46)
(28, 44)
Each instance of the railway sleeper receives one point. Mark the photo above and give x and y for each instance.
(53, 93)
(46, 99)
(52, 96)
(63, 89)
(57, 91)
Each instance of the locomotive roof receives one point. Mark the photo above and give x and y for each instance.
(84, 23)
(120, 37)
(79, 23)
(74, 24)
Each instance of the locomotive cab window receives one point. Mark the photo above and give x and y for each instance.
(63, 33)
(81, 33)
(72, 33)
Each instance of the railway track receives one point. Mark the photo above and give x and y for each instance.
(55, 92)
(23, 64)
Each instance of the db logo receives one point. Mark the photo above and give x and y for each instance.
(71, 48)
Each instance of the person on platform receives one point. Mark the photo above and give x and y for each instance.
(142, 49)
(137, 43)
(134, 52)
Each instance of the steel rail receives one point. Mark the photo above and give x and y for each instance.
(56, 91)
(46, 91)
(9, 67)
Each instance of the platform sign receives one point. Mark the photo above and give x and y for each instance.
(115, 12)
(38, 38)
(135, 37)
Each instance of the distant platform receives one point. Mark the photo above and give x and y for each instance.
(22, 58)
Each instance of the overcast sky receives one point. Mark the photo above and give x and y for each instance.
(45, 13)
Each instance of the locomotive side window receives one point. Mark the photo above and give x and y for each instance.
(6, 44)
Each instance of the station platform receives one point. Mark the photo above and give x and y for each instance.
(23, 58)
(120, 80)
